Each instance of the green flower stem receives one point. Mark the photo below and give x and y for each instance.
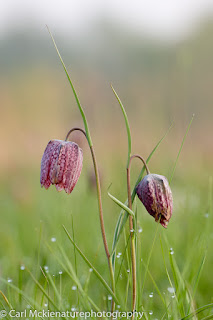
(132, 231)
(132, 234)
(100, 210)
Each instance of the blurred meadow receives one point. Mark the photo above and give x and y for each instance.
(161, 83)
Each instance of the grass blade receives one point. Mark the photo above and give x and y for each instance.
(184, 138)
(6, 300)
(42, 289)
(74, 92)
(199, 310)
(121, 205)
(91, 266)
(127, 126)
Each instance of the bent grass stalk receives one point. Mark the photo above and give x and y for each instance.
(87, 134)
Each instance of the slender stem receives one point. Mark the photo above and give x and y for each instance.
(133, 252)
(132, 232)
(100, 210)
(74, 129)
(142, 159)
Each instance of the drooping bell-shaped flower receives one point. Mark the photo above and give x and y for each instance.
(61, 165)
(155, 193)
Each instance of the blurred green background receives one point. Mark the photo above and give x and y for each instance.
(160, 81)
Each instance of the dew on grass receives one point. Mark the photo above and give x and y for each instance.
(150, 312)
(140, 230)
(132, 230)
(22, 267)
(73, 309)
(109, 298)
(118, 306)
(206, 215)
(151, 295)
(46, 304)
(9, 280)
(53, 239)
(171, 290)
(28, 306)
(128, 271)
(74, 288)
(90, 269)
(173, 296)
(60, 272)
(121, 276)
(46, 268)
(119, 255)
(171, 251)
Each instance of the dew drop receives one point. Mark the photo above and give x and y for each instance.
(206, 215)
(121, 276)
(46, 304)
(128, 271)
(171, 289)
(74, 288)
(151, 295)
(22, 267)
(118, 306)
(60, 272)
(9, 280)
(173, 296)
(46, 268)
(132, 230)
(140, 230)
(171, 251)
(73, 309)
(90, 269)
(150, 312)
(109, 297)
(53, 239)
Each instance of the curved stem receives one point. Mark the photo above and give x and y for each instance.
(132, 232)
(75, 129)
(142, 159)
(100, 209)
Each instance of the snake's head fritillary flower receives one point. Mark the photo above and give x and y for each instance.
(155, 193)
(61, 165)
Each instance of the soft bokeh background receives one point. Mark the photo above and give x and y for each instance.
(158, 56)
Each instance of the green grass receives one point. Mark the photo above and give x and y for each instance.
(29, 224)
(52, 255)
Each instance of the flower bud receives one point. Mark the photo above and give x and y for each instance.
(61, 165)
(155, 193)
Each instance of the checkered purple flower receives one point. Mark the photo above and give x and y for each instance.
(61, 165)
(155, 193)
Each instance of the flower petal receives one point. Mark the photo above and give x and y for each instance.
(46, 162)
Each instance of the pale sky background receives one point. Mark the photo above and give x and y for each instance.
(159, 18)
